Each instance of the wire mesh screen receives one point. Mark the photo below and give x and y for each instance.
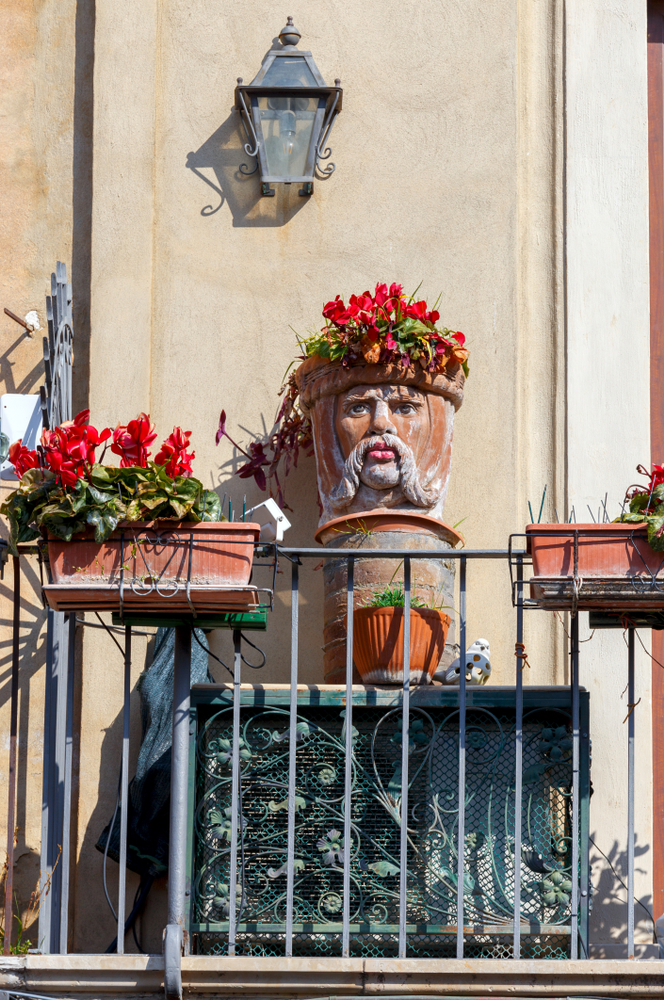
(432, 860)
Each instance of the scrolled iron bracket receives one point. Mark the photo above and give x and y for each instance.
(323, 153)
(251, 145)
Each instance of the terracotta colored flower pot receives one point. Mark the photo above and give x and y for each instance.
(595, 566)
(161, 562)
(378, 644)
(432, 580)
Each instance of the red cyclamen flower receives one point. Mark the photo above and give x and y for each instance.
(131, 442)
(22, 458)
(70, 448)
(174, 454)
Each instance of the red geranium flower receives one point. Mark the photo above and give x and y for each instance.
(174, 454)
(131, 443)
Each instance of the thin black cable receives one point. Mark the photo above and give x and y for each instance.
(254, 666)
(107, 629)
(638, 901)
(140, 897)
(210, 653)
(106, 846)
(133, 926)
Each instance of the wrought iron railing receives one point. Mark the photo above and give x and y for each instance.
(242, 761)
(430, 869)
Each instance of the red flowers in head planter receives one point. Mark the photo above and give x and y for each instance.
(131, 442)
(69, 450)
(22, 458)
(387, 327)
(174, 454)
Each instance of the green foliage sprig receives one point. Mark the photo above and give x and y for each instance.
(393, 596)
(646, 505)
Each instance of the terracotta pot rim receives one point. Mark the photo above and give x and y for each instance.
(317, 377)
(162, 524)
(423, 612)
(569, 529)
(414, 522)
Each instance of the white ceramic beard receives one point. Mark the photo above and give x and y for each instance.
(383, 477)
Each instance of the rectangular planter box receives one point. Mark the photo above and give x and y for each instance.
(608, 566)
(159, 565)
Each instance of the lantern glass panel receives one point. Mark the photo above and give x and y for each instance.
(287, 124)
(289, 71)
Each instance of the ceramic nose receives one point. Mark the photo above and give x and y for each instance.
(382, 419)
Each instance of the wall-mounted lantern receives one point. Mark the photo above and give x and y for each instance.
(288, 112)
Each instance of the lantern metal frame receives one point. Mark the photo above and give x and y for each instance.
(329, 106)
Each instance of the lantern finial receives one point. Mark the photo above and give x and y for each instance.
(289, 35)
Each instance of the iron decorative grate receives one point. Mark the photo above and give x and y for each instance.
(376, 802)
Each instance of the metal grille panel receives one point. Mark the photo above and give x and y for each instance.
(433, 737)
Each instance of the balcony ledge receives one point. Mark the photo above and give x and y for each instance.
(142, 975)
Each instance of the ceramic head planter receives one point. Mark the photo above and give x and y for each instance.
(382, 434)
(375, 396)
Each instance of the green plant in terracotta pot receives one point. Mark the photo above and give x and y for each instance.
(378, 637)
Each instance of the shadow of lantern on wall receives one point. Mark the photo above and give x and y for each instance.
(288, 112)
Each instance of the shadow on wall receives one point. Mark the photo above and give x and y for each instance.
(32, 660)
(29, 381)
(223, 157)
(95, 925)
(608, 917)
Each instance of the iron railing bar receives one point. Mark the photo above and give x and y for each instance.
(630, 796)
(518, 761)
(292, 760)
(235, 789)
(48, 806)
(405, 724)
(66, 809)
(124, 791)
(348, 771)
(574, 874)
(177, 837)
(462, 554)
(13, 757)
(461, 831)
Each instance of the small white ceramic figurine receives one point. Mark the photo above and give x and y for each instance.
(478, 665)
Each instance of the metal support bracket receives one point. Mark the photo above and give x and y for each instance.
(173, 938)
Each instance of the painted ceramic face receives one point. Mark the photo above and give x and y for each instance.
(375, 413)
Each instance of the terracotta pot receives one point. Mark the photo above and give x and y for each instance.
(160, 562)
(378, 644)
(615, 566)
(432, 580)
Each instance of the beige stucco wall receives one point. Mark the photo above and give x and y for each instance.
(449, 171)
(447, 165)
(608, 403)
(37, 82)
